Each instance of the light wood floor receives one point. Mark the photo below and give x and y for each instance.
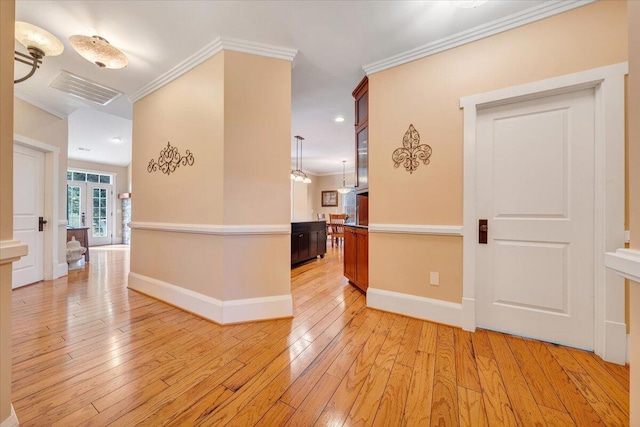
(87, 351)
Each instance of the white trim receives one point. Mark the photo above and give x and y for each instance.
(12, 421)
(51, 201)
(616, 341)
(625, 262)
(535, 13)
(439, 230)
(31, 100)
(63, 223)
(414, 306)
(62, 269)
(223, 312)
(608, 83)
(628, 349)
(12, 250)
(216, 46)
(213, 229)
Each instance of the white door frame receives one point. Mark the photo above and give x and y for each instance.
(609, 299)
(53, 268)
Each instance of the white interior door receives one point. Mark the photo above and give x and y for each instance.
(535, 275)
(28, 207)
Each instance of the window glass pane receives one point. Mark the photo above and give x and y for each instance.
(105, 179)
(96, 202)
(69, 175)
(92, 177)
(79, 176)
(96, 192)
(73, 206)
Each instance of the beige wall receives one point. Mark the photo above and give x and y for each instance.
(327, 183)
(633, 104)
(122, 186)
(426, 93)
(37, 124)
(7, 14)
(233, 112)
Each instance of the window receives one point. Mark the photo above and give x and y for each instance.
(88, 177)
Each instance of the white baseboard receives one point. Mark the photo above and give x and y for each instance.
(628, 349)
(414, 306)
(615, 346)
(223, 312)
(12, 421)
(61, 270)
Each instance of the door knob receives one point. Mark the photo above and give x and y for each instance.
(483, 227)
(41, 223)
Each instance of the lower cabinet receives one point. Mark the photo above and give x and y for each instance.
(308, 240)
(356, 256)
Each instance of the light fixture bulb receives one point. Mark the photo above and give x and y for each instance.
(292, 175)
(306, 180)
(467, 4)
(339, 119)
(98, 50)
(344, 189)
(299, 178)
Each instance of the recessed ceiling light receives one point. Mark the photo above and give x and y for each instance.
(339, 119)
(116, 139)
(84, 149)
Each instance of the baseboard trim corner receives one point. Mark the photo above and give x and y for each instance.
(61, 270)
(615, 346)
(12, 421)
(222, 312)
(414, 306)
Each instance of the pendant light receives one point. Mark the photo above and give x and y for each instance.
(344, 189)
(297, 174)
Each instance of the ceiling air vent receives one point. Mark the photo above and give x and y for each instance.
(84, 89)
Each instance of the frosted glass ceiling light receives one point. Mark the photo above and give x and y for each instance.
(98, 50)
(297, 174)
(344, 189)
(39, 43)
(468, 4)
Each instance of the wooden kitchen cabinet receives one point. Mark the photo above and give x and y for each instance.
(356, 256)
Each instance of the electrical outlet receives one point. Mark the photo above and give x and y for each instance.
(627, 236)
(434, 278)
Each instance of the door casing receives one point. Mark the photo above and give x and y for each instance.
(608, 83)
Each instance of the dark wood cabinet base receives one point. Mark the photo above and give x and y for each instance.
(308, 240)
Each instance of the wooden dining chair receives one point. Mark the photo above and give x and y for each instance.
(336, 222)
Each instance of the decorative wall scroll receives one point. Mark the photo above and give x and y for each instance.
(170, 159)
(412, 151)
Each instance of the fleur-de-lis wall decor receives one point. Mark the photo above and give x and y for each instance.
(411, 152)
(170, 159)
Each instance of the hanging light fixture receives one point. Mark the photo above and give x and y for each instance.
(39, 43)
(344, 189)
(98, 50)
(297, 174)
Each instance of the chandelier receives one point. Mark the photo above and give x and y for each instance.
(344, 189)
(39, 43)
(297, 174)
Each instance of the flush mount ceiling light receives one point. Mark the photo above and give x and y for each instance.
(344, 189)
(468, 4)
(297, 174)
(39, 43)
(98, 50)
(339, 119)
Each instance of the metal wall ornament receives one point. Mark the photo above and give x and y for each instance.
(170, 159)
(412, 152)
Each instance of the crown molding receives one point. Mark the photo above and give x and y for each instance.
(536, 13)
(216, 46)
(29, 99)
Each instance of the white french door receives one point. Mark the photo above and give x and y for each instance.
(535, 186)
(28, 210)
(91, 205)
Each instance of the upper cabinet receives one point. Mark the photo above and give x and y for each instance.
(361, 97)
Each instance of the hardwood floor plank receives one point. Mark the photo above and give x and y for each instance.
(522, 401)
(603, 403)
(577, 406)
(409, 347)
(554, 417)
(466, 368)
(542, 390)
(394, 399)
(472, 411)
(276, 416)
(481, 346)
(496, 401)
(428, 337)
(444, 404)
(418, 407)
(311, 407)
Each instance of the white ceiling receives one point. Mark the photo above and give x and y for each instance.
(334, 39)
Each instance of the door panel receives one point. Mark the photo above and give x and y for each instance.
(28, 206)
(99, 214)
(535, 186)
